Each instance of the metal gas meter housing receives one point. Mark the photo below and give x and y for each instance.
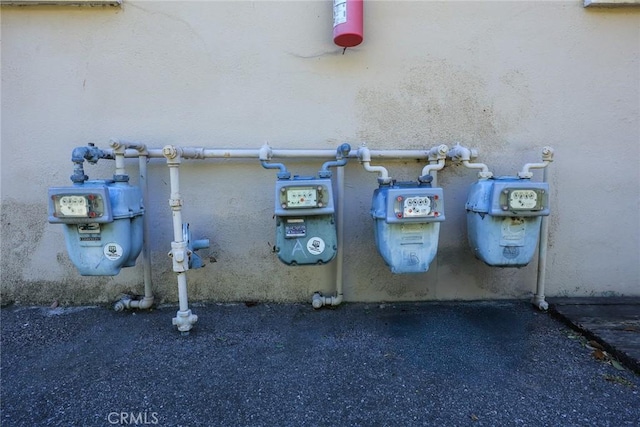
(407, 219)
(103, 224)
(305, 221)
(503, 219)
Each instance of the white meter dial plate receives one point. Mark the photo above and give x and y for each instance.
(523, 199)
(74, 206)
(78, 205)
(302, 197)
(417, 207)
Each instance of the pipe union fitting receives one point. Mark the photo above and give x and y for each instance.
(170, 152)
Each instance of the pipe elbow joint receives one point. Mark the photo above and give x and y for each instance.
(343, 151)
(438, 152)
(341, 159)
(90, 153)
(433, 167)
(78, 153)
(265, 153)
(459, 154)
(172, 153)
(117, 146)
(364, 154)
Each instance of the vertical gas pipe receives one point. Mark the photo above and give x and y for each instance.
(347, 22)
(538, 299)
(184, 319)
(119, 148)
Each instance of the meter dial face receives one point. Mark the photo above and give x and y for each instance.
(417, 207)
(523, 199)
(78, 205)
(74, 206)
(302, 197)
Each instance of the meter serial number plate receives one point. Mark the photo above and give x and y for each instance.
(295, 228)
(523, 199)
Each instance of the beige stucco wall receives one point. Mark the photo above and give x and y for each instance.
(504, 77)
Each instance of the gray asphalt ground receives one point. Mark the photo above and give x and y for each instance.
(430, 364)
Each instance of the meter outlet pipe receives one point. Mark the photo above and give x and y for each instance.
(460, 154)
(119, 149)
(318, 300)
(342, 153)
(90, 153)
(184, 319)
(364, 155)
(265, 155)
(437, 156)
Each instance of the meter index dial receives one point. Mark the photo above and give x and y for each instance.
(292, 197)
(78, 205)
(523, 199)
(74, 206)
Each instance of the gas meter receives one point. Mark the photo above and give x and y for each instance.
(503, 219)
(407, 219)
(103, 224)
(305, 223)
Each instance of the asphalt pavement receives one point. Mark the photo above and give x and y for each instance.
(411, 364)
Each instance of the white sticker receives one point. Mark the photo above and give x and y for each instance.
(112, 251)
(339, 12)
(513, 232)
(315, 245)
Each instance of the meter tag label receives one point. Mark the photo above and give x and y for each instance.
(315, 245)
(112, 251)
(513, 232)
(339, 12)
(91, 228)
(295, 228)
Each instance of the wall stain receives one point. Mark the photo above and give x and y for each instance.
(22, 229)
(438, 102)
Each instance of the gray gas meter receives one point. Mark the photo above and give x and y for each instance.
(407, 219)
(103, 224)
(503, 219)
(305, 223)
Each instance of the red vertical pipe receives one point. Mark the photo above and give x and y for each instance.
(347, 22)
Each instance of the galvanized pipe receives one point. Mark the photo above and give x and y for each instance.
(207, 153)
(543, 243)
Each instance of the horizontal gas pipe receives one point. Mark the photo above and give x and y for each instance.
(185, 319)
(206, 153)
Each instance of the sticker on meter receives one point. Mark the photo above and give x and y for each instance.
(112, 251)
(315, 245)
(523, 199)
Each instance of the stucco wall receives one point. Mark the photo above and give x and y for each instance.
(504, 77)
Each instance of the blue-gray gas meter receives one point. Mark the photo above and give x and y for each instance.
(305, 222)
(407, 219)
(103, 224)
(503, 219)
